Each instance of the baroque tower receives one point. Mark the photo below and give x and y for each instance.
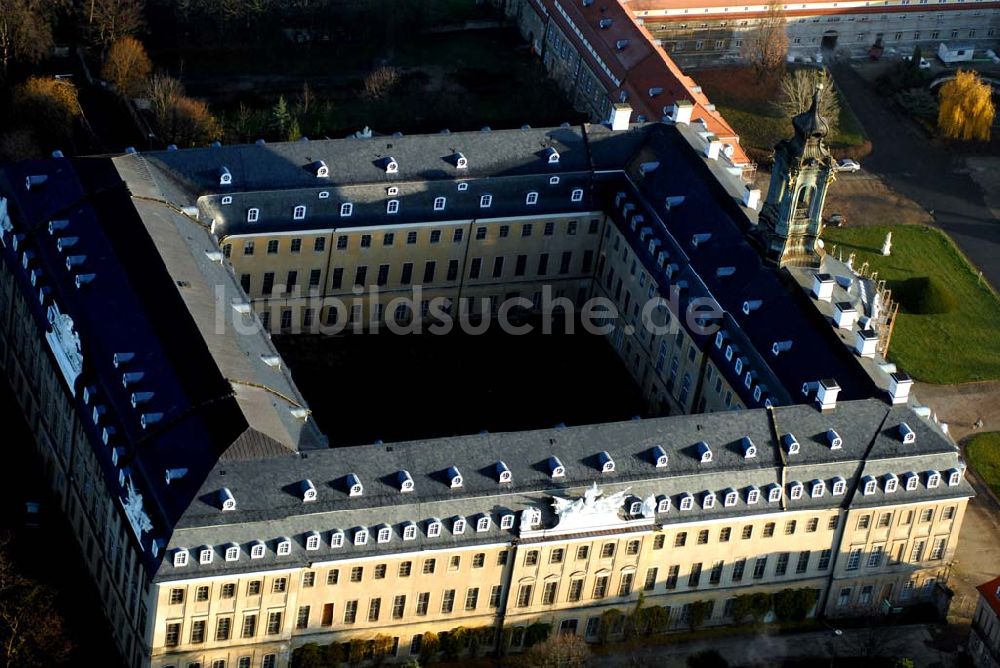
(791, 219)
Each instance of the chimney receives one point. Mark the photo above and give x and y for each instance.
(712, 147)
(844, 315)
(826, 394)
(751, 197)
(621, 113)
(899, 387)
(865, 342)
(682, 112)
(822, 287)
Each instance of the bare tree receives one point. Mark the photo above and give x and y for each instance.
(798, 88)
(380, 81)
(31, 632)
(563, 650)
(765, 45)
(110, 20)
(127, 66)
(25, 32)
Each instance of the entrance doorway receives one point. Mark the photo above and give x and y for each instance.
(830, 40)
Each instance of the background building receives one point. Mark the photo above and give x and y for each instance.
(984, 639)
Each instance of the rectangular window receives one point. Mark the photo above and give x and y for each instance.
(429, 268)
(575, 590)
(366, 241)
(724, 534)
(672, 574)
(650, 582)
(703, 537)
(360, 275)
(398, 606)
(739, 566)
(480, 233)
(374, 608)
(253, 588)
(333, 576)
(803, 563)
(435, 236)
(268, 286)
(526, 230)
(549, 593)
(448, 601)
(854, 559)
(782, 566)
(747, 531)
(458, 235)
(173, 636)
(383, 275)
(452, 270)
(471, 598)
(423, 602)
(249, 626)
(350, 612)
(875, 557)
(759, 566)
(680, 539)
(824, 560)
(314, 276)
(296, 245)
(319, 245)
(695, 577)
(429, 566)
(520, 264)
(600, 586)
(625, 586)
(832, 524)
(937, 551)
(588, 260)
(272, 247)
(274, 623)
(223, 628)
(198, 631)
(768, 529)
(302, 619)
(495, 592)
(864, 522)
(357, 573)
(327, 619)
(498, 267)
(564, 262)
(715, 577)
(790, 527)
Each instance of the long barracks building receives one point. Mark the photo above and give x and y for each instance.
(136, 297)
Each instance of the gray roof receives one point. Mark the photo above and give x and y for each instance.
(273, 510)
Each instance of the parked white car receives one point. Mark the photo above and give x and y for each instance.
(848, 165)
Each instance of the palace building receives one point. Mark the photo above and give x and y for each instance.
(138, 296)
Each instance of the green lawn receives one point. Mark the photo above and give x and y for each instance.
(946, 331)
(983, 453)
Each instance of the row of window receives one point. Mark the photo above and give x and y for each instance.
(389, 238)
(392, 206)
(429, 273)
(877, 554)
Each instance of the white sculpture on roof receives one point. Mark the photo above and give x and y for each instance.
(135, 511)
(649, 506)
(65, 345)
(591, 509)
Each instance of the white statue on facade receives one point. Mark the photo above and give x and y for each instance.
(591, 508)
(649, 507)
(134, 510)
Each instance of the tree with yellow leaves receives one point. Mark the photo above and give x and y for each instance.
(127, 66)
(967, 108)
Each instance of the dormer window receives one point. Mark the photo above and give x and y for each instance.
(719, 338)
(253, 214)
(576, 195)
(749, 449)
(392, 191)
(206, 555)
(227, 499)
(392, 206)
(439, 203)
(730, 499)
(284, 547)
(704, 452)
(346, 209)
(433, 528)
(739, 365)
(818, 489)
(308, 491)
(753, 496)
(552, 156)
(483, 523)
(458, 525)
(532, 198)
(606, 462)
(227, 200)
(384, 534)
(833, 438)
(796, 490)
(556, 468)
(299, 212)
(687, 502)
(663, 505)
(354, 487)
(180, 558)
(869, 485)
(257, 550)
(659, 456)
(891, 483)
(774, 493)
(391, 166)
(312, 540)
(454, 477)
(337, 539)
(324, 194)
(553, 180)
(507, 521)
(954, 477)
(321, 170)
(729, 353)
(405, 481)
(756, 392)
(233, 553)
(791, 444)
(933, 479)
(461, 162)
(485, 201)
(360, 536)
(503, 473)
(906, 434)
(839, 486)
(409, 531)
(462, 187)
(635, 508)
(225, 177)
(911, 480)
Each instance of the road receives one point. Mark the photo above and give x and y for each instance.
(932, 176)
(913, 641)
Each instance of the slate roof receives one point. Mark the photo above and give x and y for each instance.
(268, 511)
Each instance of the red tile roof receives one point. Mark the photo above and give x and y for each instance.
(990, 594)
(638, 67)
